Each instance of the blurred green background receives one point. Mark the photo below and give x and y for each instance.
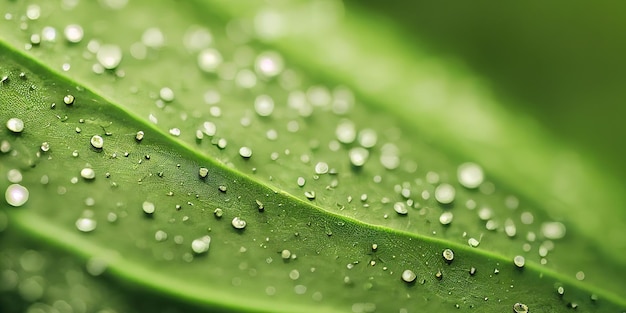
(563, 62)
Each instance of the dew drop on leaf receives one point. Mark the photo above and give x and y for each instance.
(473, 242)
(16, 195)
(109, 56)
(69, 99)
(470, 175)
(166, 94)
(14, 176)
(209, 60)
(321, 168)
(520, 308)
(245, 152)
(446, 218)
(408, 276)
(553, 230)
(358, 156)
(201, 245)
(203, 172)
(160, 236)
(368, 138)
(269, 64)
(73, 33)
(88, 173)
(15, 125)
(238, 223)
(285, 254)
(445, 193)
(264, 105)
(346, 132)
(148, 207)
(97, 142)
(294, 274)
(509, 228)
(448, 255)
(139, 135)
(400, 208)
(519, 261)
(86, 224)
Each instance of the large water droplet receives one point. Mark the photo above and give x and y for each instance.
(238, 223)
(148, 207)
(408, 276)
(321, 168)
(553, 230)
(519, 261)
(15, 125)
(209, 60)
(16, 195)
(368, 138)
(446, 218)
(201, 245)
(264, 105)
(358, 156)
(269, 64)
(109, 56)
(448, 255)
(73, 33)
(86, 224)
(400, 208)
(245, 152)
(445, 193)
(346, 132)
(97, 142)
(470, 175)
(88, 173)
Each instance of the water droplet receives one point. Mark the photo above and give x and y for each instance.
(472, 271)
(160, 236)
(153, 37)
(309, 195)
(285, 254)
(358, 156)
(409, 276)
(245, 152)
(16, 195)
(264, 105)
(294, 274)
(15, 125)
(218, 213)
(69, 99)
(580, 275)
(166, 94)
(446, 218)
(49, 34)
(97, 142)
(222, 143)
(389, 157)
(14, 176)
(209, 60)
(445, 193)
(472, 242)
(73, 33)
(368, 138)
(33, 12)
(45, 146)
(203, 172)
(96, 266)
(201, 245)
(520, 308)
(346, 132)
(553, 230)
(519, 261)
(321, 168)
(470, 175)
(509, 227)
(109, 56)
(400, 208)
(269, 64)
(88, 173)
(148, 207)
(175, 131)
(448, 255)
(139, 135)
(485, 213)
(86, 224)
(238, 223)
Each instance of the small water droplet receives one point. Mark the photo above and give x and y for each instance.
(109, 56)
(301, 181)
(485, 213)
(580, 275)
(519, 261)
(73, 33)
(470, 175)
(309, 195)
(175, 131)
(148, 207)
(520, 308)
(294, 274)
(446, 218)
(400, 208)
(166, 94)
(445, 193)
(153, 37)
(218, 213)
(201, 245)
(33, 12)
(160, 236)
(448, 255)
(245, 152)
(15, 125)
(509, 227)
(389, 157)
(86, 224)
(472, 271)
(473, 242)
(368, 138)
(88, 173)
(69, 99)
(269, 64)
(139, 135)
(203, 172)
(97, 142)
(285, 254)
(409, 276)
(238, 223)
(14, 176)
(16, 195)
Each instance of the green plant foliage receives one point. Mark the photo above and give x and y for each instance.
(176, 162)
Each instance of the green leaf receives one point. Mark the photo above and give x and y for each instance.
(313, 213)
